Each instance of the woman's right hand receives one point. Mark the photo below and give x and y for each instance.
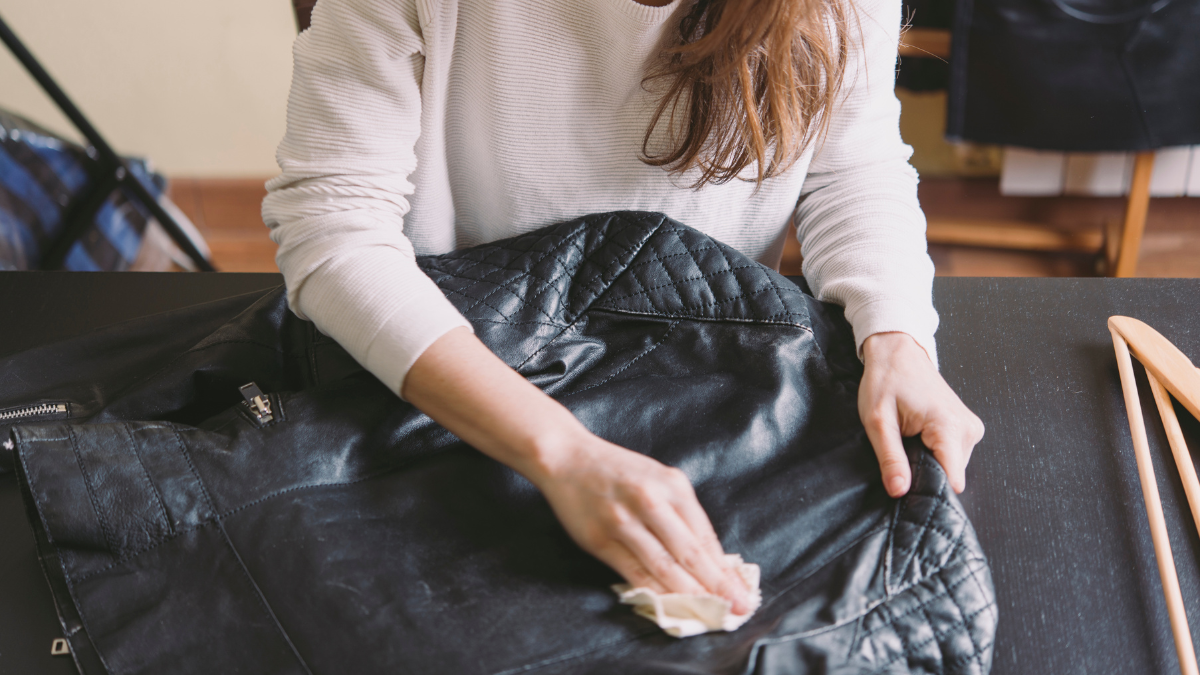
(639, 517)
(635, 514)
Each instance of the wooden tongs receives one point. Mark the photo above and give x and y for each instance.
(1166, 367)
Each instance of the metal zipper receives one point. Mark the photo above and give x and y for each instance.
(257, 403)
(38, 410)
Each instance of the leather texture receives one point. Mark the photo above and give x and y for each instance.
(1076, 75)
(351, 533)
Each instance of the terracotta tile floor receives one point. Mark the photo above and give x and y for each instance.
(227, 211)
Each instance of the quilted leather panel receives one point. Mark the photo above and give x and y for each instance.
(941, 613)
(682, 273)
(937, 616)
(550, 276)
(625, 261)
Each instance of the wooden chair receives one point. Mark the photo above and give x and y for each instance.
(1118, 243)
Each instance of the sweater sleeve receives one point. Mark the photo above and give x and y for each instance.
(861, 229)
(337, 210)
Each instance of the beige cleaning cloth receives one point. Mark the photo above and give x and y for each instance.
(684, 615)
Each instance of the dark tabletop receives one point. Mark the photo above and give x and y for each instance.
(1052, 489)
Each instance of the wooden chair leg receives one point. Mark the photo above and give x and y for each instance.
(1135, 217)
(1112, 245)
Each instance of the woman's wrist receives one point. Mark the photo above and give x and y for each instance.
(542, 451)
(885, 346)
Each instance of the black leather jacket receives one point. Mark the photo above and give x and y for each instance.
(342, 531)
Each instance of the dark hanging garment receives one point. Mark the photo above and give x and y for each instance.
(316, 523)
(1076, 75)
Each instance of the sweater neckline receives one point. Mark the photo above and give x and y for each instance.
(646, 14)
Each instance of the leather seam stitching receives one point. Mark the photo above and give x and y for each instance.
(743, 296)
(862, 615)
(520, 274)
(899, 590)
(946, 593)
(192, 467)
(133, 447)
(521, 323)
(936, 636)
(489, 305)
(486, 259)
(435, 261)
(881, 603)
(829, 558)
(676, 283)
(633, 252)
(664, 315)
(83, 620)
(965, 618)
(58, 558)
(547, 285)
(625, 367)
(87, 484)
(687, 252)
(955, 543)
(990, 605)
(261, 597)
(216, 519)
(545, 254)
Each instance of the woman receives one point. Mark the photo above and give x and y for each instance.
(421, 126)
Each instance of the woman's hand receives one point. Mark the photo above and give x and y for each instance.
(902, 394)
(630, 511)
(639, 517)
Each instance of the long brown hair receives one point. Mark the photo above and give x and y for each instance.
(748, 81)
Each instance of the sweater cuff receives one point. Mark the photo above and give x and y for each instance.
(405, 336)
(888, 316)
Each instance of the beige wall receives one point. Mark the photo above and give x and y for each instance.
(198, 86)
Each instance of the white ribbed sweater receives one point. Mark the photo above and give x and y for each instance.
(421, 126)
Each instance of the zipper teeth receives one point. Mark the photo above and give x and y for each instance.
(33, 411)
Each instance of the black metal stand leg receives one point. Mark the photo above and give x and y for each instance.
(106, 157)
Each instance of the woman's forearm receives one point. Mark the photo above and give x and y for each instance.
(466, 388)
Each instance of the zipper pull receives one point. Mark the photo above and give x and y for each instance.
(257, 401)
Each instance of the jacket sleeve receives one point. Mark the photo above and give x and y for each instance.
(861, 229)
(337, 210)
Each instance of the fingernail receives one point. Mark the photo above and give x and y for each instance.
(897, 486)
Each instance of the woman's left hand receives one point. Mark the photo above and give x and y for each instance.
(902, 394)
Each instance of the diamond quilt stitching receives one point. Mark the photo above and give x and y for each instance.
(552, 290)
(645, 300)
